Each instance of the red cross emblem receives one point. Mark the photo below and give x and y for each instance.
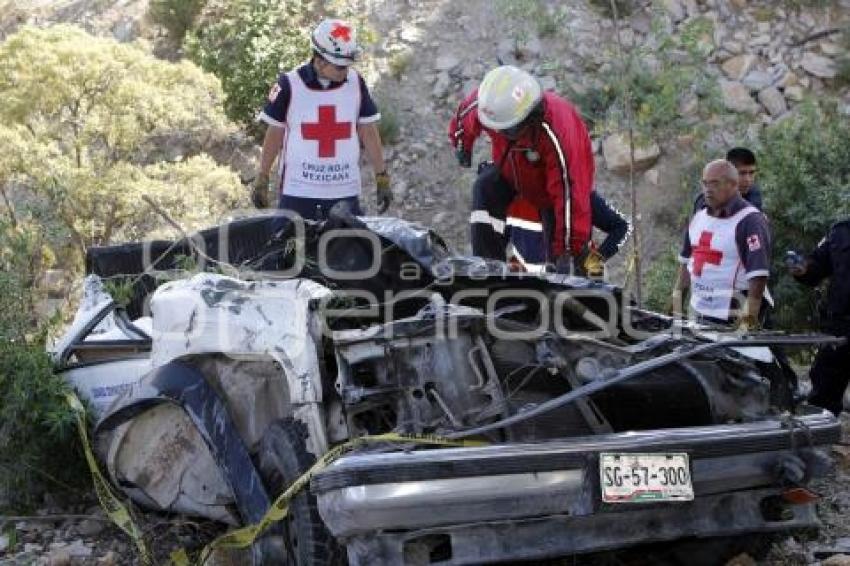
(327, 131)
(704, 254)
(753, 242)
(342, 32)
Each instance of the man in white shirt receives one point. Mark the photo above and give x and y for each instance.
(726, 253)
(313, 113)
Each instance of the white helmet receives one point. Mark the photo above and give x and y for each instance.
(336, 41)
(507, 96)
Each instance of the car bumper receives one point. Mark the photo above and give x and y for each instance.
(380, 502)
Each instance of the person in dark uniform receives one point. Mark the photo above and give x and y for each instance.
(525, 228)
(830, 372)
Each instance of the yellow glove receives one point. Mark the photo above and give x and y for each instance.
(385, 194)
(260, 191)
(594, 265)
(747, 323)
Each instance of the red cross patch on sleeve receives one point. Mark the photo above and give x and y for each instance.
(275, 90)
(753, 242)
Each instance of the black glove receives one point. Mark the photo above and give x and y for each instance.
(385, 194)
(464, 158)
(260, 191)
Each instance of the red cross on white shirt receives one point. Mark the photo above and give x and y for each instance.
(703, 253)
(327, 131)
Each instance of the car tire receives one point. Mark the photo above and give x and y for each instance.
(283, 458)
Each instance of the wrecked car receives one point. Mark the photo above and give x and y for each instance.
(599, 425)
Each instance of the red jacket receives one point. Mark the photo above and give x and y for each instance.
(563, 174)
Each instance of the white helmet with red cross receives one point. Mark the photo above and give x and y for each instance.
(336, 41)
(506, 97)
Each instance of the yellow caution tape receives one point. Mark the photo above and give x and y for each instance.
(113, 507)
(245, 536)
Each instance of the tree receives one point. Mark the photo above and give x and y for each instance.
(654, 91)
(38, 446)
(247, 43)
(805, 173)
(78, 118)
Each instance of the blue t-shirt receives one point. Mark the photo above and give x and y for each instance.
(277, 104)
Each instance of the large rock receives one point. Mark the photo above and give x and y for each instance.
(819, 66)
(126, 30)
(758, 80)
(676, 10)
(652, 176)
(736, 97)
(91, 527)
(79, 549)
(442, 85)
(692, 7)
(446, 62)
(737, 67)
(548, 83)
(788, 79)
(795, 93)
(410, 33)
(641, 22)
(58, 557)
(615, 149)
(773, 101)
(830, 48)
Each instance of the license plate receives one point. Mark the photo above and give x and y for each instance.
(636, 478)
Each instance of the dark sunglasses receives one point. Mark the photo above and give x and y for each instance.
(339, 68)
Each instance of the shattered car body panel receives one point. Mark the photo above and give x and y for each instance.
(102, 353)
(354, 339)
(160, 458)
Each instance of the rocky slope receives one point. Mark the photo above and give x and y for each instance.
(766, 55)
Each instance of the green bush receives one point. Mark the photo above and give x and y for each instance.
(805, 175)
(624, 7)
(176, 16)
(400, 63)
(388, 127)
(526, 17)
(39, 449)
(246, 44)
(81, 121)
(660, 279)
(651, 81)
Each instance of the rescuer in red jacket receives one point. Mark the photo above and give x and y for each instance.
(541, 154)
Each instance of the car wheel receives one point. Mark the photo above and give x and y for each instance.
(283, 458)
